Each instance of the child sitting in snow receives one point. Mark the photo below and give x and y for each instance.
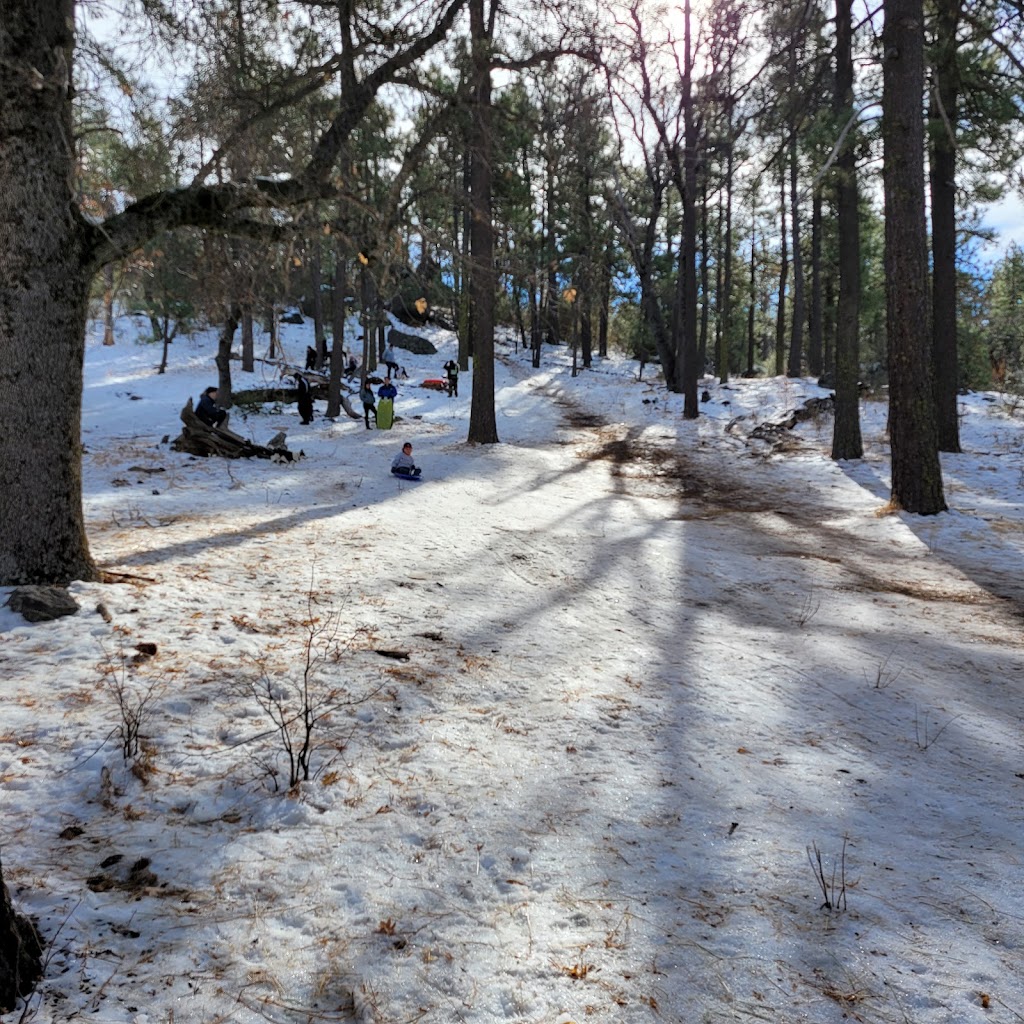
(403, 464)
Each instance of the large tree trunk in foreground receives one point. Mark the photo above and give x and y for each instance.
(43, 304)
(916, 471)
(483, 427)
(20, 952)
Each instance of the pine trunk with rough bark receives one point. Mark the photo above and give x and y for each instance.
(483, 427)
(794, 367)
(916, 470)
(780, 314)
(690, 371)
(44, 288)
(846, 436)
(247, 340)
(943, 119)
(814, 333)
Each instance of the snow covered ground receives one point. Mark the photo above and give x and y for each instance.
(591, 695)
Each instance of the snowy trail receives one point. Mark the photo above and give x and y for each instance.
(641, 681)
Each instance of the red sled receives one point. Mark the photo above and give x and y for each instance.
(435, 384)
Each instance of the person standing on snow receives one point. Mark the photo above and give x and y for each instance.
(452, 369)
(305, 398)
(389, 361)
(366, 397)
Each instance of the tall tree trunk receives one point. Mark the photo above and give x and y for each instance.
(551, 327)
(536, 328)
(466, 325)
(690, 373)
(780, 319)
(223, 358)
(247, 348)
(828, 326)
(483, 428)
(316, 304)
(846, 437)
(339, 289)
(43, 304)
(584, 299)
(272, 331)
(796, 346)
(605, 300)
(705, 263)
(943, 118)
(108, 304)
(916, 470)
(726, 304)
(814, 333)
(752, 307)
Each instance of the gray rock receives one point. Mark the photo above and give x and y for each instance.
(411, 343)
(41, 603)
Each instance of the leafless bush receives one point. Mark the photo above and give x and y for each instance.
(925, 733)
(808, 609)
(296, 747)
(884, 676)
(832, 884)
(134, 701)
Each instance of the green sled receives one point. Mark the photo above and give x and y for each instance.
(385, 413)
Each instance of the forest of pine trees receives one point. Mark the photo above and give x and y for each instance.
(725, 187)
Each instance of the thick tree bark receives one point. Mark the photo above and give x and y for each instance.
(846, 437)
(688, 352)
(43, 304)
(247, 350)
(916, 470)
(752, 303)
(108, 304)
(223, 357)
(316, 303)
(794, 367)
(483, 428)
(943, 119)
(814, 332)
(605, 300)
(20, 952)
(780, 315)
(339, 285)
(726, 303)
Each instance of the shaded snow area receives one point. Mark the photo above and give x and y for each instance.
(588, 699)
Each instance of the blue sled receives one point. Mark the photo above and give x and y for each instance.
(405, 476)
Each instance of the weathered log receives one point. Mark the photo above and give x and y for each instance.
(197, 438)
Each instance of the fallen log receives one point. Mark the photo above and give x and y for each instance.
(196, 438)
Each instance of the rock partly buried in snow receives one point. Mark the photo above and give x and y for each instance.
(42, 604)
(411, 343)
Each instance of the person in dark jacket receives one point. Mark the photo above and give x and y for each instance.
(305, 398)
(387, 390)
(452, 369)
(209, 411)
(366, 397)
